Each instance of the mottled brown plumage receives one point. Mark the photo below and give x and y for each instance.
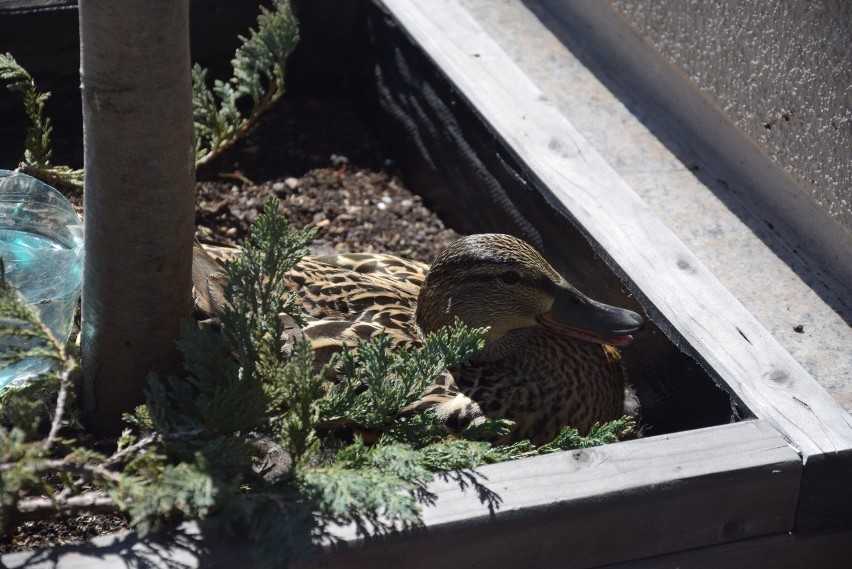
(547, 362)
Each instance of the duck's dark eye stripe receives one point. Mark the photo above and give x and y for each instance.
(479, 278)
(510, 277)
(542, 283)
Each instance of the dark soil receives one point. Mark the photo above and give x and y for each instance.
(52, 533)
(355, 209)
(323, 161)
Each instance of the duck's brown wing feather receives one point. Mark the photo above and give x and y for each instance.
(370, 287)
(327, 291)
(354, 297)
(380, 264)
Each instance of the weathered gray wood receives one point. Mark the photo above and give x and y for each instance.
(606, 504)
(30, 4)
(587, 507)
(831, 550)
(667, 278)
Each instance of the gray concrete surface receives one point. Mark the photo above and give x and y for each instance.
(782, 72)
(750, 259)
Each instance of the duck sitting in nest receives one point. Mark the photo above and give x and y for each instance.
(550, 357)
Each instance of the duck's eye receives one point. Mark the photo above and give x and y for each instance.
(510, 277)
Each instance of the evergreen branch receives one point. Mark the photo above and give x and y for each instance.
(37, 152)
(181, 489)
(43, 508)
(257, 293)
(599, 434)
(258, 73)
(19, 320)
(378, 383)
(37, 143)
(377, 489)
(130, 450)
(302, 388)
(90, 472)
(59, 409)
(568, 439)
(53, 175)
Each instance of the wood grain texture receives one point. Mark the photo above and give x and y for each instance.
(9, 5)
(667, 278)
(831, 550)
(606, 504)
(576, 509)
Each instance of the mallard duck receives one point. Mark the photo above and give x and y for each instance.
(550, 357)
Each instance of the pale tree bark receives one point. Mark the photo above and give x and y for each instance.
(139, 197)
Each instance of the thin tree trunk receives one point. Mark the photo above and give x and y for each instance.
(139, 197)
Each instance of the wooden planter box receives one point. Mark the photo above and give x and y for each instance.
(748, 461)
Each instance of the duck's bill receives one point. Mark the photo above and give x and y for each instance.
(574, 314)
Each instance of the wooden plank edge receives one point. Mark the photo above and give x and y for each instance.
(831, 550)
(33, 5)
(679, 287)
(660, 494)
(619, 469)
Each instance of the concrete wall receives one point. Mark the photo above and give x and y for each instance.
(780, 70)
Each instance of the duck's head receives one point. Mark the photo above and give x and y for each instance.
(501, 282)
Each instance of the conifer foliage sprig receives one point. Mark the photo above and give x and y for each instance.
(23, 333)
(35, 458)
(258, 74)
(37, 144)
(377, 383)
(37, 152)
